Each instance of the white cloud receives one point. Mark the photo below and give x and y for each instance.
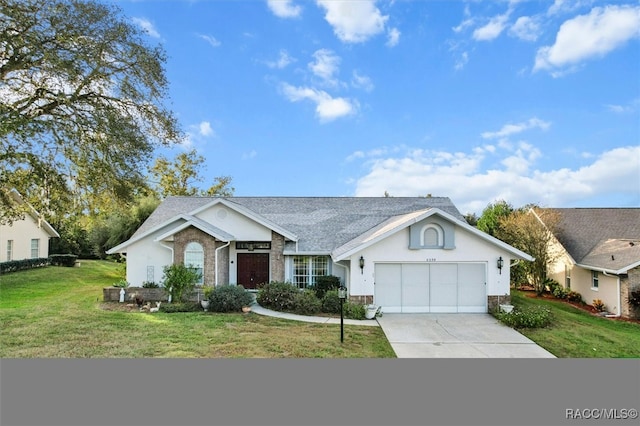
(526, 28)
(282, 62)
(354, 21)
(393, 37)
(284, 8)
(466, 23)
(249, 155)
(146, 25)
(361, 82)
(510, 129)
(462, 61)
(328, 108)
(461, 177)
(205, 128)
(492, 29)
(586, 36)
(326, 64)
(210, 39)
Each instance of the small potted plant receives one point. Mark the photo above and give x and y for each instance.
(205, 302)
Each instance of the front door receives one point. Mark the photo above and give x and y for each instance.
(253, 269)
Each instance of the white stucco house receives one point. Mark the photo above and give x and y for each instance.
(599, 255)
(26, 238)
(404, 254)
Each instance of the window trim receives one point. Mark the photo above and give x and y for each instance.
(311, 268)
(439, 235)
(9, 250)
(595, 281)
(199, 268)
(36, 248)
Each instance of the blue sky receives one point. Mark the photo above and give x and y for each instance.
(527, 101)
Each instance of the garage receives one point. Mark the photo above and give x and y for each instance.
(431, 287)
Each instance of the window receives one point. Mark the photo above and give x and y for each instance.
(9, 250)
(567, 276)
(306, 269)
(35, 248)
(194, 258)
(253, 245)
(594, 280)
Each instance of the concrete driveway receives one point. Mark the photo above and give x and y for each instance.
(456, 336)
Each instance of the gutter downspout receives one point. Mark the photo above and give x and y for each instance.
(216, 260)
(172, 260)
(619, 314)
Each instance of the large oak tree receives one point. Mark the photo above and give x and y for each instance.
(82, 102)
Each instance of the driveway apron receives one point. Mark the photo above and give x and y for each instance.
(456, 336)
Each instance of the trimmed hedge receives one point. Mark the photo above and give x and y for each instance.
(229, 298)
(68, 260)
(24, 264)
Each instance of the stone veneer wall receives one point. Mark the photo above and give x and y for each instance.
(276, 256)
(223, 264)
(629, 284)
(361, 299)
(192, 234)
(494, 301)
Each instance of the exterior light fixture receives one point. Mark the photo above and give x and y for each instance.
(342, 294)
(361, 265)
(500, 264)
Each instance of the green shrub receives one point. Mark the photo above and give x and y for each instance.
(171, 308)
(535, 317)
(229, 298)
(179, 281)
(326, 283)
(149, 284)
(560, 292)
(354, 311)
(68, 260)
(550, 285)
(634, 298)
(121, 284)
(21, 265)
(278, 296)
(574, 296)
(306, 303)
(331, 302)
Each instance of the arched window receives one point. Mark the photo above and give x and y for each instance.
(194, 258)
(432, 235)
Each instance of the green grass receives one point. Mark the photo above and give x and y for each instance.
(575, 333)
(55, 312)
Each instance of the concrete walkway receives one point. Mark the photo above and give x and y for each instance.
(322, 320)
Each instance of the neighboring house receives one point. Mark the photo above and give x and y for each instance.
(404, 254)
(26, 238)
(599, 254)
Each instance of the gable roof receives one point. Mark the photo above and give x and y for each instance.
(312, 224)
(600, 237)
(397, 223)
(37, 217)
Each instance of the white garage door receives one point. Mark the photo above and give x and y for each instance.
(431, 287)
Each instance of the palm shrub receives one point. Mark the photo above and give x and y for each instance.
(354, 311)
(229, 298)
(179, 281)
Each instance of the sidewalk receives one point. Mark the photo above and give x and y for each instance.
(321, 320)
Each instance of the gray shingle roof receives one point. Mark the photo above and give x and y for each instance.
(321, 223)
(592, 235)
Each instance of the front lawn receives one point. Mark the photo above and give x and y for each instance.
(575, 333)
(55, 312)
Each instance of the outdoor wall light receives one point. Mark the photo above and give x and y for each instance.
(361, 265)
(500, 264)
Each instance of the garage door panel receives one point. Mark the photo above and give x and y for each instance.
(388, 288)
(471, 287)
(431, 287)
(444, 287)
(415, 287)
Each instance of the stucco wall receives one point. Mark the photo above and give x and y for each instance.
(469, 248)
(22, 232)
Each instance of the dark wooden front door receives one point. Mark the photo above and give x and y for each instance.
(253, 269)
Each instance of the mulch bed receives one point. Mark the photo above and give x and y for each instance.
(583, 306)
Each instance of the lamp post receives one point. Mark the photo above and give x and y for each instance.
(500, 263)
(342, 294)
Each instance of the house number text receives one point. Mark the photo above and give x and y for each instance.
(431, 259)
